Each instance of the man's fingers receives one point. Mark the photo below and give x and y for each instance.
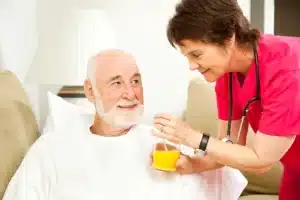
(182, 161)
(179, 163)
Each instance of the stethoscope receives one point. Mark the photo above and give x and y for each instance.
(246, 108)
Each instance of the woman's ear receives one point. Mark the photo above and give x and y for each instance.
(229, 45)
(88, 90)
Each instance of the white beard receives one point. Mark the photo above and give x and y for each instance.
(117, 118)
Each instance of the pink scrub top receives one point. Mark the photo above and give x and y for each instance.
(278, 112)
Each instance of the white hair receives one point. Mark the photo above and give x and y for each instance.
(93, 63)
(91, 70)
(91, 76)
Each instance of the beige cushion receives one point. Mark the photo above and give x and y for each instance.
(259, 197)
(10, 87)
(201, 114)
(18, 127)
(201, 107)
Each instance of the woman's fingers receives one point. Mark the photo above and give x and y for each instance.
(172, 129)
(165, 136)
(164, 116)
(161, 121)
(158, 127)
(164, 129)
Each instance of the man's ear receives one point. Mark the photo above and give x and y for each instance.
(88, 90)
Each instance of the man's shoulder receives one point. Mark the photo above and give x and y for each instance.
(49, 143)
(144, 132)
(41, 145)
(144, 127)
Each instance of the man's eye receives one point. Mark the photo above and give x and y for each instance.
(117, 83)
(136, 81)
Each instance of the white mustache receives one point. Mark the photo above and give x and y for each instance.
(128, 103)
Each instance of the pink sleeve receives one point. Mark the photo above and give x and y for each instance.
(281, 99)
(222, 94)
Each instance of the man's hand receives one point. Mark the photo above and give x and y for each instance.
(184, 165)
(188, 165)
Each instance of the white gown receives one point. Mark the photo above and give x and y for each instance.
(81, 166)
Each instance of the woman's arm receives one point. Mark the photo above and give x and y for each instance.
(278, 126)
(266, 151)
(207, 163)
(279, 123)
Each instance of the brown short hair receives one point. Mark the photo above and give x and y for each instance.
(210, 21)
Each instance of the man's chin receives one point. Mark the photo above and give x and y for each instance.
(124, 122)
(124, 119)
(124, 125)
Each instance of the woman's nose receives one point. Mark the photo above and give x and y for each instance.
(193, 66)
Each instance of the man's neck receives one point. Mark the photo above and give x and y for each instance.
(101, 128)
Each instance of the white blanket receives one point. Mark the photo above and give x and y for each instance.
(78, 165)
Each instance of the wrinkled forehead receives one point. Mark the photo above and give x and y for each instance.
(123, 66)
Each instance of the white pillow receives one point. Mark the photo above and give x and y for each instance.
(62, 113)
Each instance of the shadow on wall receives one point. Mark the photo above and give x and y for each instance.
(1, 60)
(43, 102)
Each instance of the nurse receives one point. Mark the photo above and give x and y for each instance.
(257, 84)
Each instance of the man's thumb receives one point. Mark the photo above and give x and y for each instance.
(180, 162)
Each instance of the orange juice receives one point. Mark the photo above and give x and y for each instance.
(165, 157)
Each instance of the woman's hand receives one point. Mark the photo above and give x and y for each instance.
(176, 131)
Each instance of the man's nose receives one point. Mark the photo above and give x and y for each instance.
(129, 93)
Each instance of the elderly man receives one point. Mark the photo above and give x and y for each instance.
(109, 158)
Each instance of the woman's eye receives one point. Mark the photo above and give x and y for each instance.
(197, 55)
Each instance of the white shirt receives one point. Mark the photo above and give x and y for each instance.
(78, 165)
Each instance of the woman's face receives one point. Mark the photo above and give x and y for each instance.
(211, 60)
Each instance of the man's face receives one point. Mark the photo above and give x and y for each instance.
(210, 60)
(119, 89)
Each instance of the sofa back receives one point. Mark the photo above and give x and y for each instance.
(18, 127)
(201, 114)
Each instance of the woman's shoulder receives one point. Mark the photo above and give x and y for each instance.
(278, 57)
(281, 50)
